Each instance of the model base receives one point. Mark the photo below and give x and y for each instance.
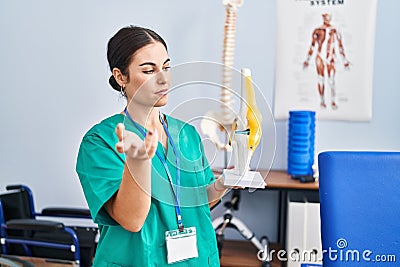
(250, 179)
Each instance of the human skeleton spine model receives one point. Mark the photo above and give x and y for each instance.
(227, 115)
(325, 39)
(215, 121)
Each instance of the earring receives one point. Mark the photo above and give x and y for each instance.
(123, 93)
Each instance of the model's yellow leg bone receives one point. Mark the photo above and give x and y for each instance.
(253, 115)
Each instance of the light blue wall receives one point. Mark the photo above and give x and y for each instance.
(54, 75)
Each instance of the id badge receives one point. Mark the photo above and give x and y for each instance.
(181, 245)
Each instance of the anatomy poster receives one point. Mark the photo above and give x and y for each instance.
(324, 58)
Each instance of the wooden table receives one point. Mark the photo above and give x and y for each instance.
(282, 182)
(280, 179)
(238, 253)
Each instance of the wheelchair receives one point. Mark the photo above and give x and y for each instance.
(24, 236)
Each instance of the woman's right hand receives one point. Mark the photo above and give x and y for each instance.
(133, 147)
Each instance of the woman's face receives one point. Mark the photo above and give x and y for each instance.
(149, 77)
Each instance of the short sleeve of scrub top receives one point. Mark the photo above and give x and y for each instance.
(100, 167)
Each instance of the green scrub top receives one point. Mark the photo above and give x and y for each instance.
(100, 169)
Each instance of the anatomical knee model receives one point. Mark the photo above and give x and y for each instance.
(244, 139)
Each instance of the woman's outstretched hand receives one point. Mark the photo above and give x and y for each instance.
(133, 147)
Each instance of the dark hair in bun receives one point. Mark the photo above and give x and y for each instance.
(124, 44)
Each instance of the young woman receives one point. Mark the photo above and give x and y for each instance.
(144, 174)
